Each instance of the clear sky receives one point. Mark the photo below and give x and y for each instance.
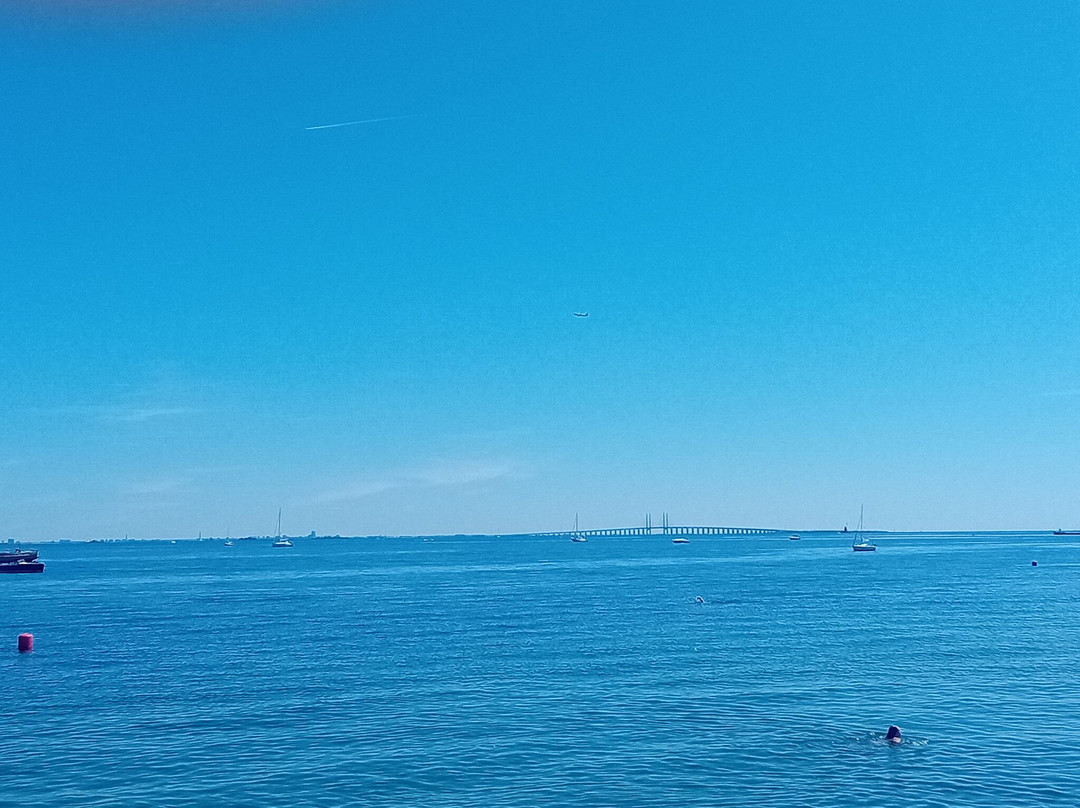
(830, 254)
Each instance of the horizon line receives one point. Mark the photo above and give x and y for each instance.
(765, 533)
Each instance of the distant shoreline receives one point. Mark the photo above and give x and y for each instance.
(556, 534)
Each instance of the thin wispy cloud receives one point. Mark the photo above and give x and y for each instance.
(361, 490)
(488, 436)
(156, 486)
(141, 414)
(358, 123)
(127, 414)
(461, 473)
(439, 475)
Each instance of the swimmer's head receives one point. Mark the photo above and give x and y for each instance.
(893, 735)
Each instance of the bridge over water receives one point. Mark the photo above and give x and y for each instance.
(671, 530)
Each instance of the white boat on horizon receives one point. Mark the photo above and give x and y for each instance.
(861, 544)
(279, 540)
(577, 536)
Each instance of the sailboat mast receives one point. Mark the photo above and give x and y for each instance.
(279, 523)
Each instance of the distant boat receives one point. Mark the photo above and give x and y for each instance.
(581, 314)
(577, 536)
(17, 556)
(861, 543)
(279, 540)
(680, 540)
(23, 566)
(230, 543)
(1060, 532)
(794, 537)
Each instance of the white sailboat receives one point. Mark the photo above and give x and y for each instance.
(279, 540)
(577, 535)
(861, 544)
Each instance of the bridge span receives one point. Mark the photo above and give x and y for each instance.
(670, 530)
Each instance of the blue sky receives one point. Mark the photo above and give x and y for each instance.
(829, 251)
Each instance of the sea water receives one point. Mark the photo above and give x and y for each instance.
(535, 671)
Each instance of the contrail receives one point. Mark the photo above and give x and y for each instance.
(357, 123)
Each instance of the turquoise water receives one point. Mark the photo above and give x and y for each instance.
(495, 672)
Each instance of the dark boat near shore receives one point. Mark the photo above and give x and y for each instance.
(1067, 532)
(23, 566)
(20, 561)
(18, 555)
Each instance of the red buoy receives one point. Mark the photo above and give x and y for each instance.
(26, 643)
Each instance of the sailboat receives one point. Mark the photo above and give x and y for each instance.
(861, 543)
(577, 535)
(279, 540)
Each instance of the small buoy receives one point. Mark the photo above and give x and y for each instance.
(1034, 563)
(26, 643)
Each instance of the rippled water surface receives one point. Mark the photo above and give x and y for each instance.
(496, 672)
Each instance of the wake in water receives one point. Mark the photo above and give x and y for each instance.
(701, 601)
(882, 739)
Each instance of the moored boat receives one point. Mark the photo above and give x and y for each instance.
(279, 540)
(18, 555)
(577, 536)
(23, 566)
(1060, 532)
(861, 544)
